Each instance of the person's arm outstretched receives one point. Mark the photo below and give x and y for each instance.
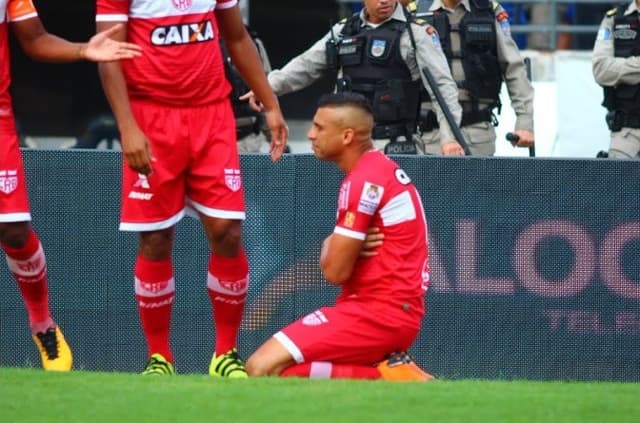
(40, 45)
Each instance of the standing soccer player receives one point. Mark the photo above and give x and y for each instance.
(24, 252)
(379, 311)
(178, 139)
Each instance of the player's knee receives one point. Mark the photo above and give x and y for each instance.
(14, 234)
(256, 367)
(253, 366)
(156, 245)
(225, 236)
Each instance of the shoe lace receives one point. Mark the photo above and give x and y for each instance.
(398, 358)
(230, 362)
(49, 342)
(155, 364)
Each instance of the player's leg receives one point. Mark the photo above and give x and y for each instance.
(24, 252)
(155, 292)
(269, 359)
(26, 260)
(214, 190)
(345, 341)
(151, 206)
(227, 278)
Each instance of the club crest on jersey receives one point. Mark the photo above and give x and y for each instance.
(370, 198)
(232, 179)
(189, 33)
(182, 5)
(8, 181)
(378, 47)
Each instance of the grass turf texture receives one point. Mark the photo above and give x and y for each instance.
(28, 395)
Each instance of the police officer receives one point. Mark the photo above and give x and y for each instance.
(374, 54)
(476, 38)
(616, 66)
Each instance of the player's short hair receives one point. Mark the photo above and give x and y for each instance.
(346, 98)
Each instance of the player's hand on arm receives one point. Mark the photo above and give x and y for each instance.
(254, 103)
(103, 48)
(525, 138)
(372, 242)
(452, 148)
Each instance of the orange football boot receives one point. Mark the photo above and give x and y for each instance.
(399, 367)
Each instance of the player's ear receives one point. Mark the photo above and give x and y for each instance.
(348, 136)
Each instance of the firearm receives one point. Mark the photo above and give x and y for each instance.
(436, 92)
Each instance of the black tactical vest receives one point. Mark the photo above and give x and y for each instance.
(478, 48)
(372, 65)
(241, 108)
(626, 43)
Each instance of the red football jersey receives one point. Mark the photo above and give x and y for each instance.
(181, 62)
(377, 192)
(10, 10)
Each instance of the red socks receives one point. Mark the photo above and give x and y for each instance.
(29, 267)
(155, 290)
(227, 285)
(327, 370)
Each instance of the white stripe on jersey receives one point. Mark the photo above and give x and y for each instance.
(146, 9)
(399, 209)
(349, 233)
(25, 17)
(112, 18)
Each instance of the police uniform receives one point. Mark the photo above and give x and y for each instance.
(371, 58)
(616, 66)
(476, 38)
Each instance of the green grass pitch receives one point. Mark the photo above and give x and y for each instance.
(29, 395)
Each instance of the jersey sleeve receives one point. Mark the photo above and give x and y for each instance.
(225, 4)
(19, 10)
(112, 10)
(358, 202)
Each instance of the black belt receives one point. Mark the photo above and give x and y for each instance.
(430, 121)
(627, 120)
(391, 131)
